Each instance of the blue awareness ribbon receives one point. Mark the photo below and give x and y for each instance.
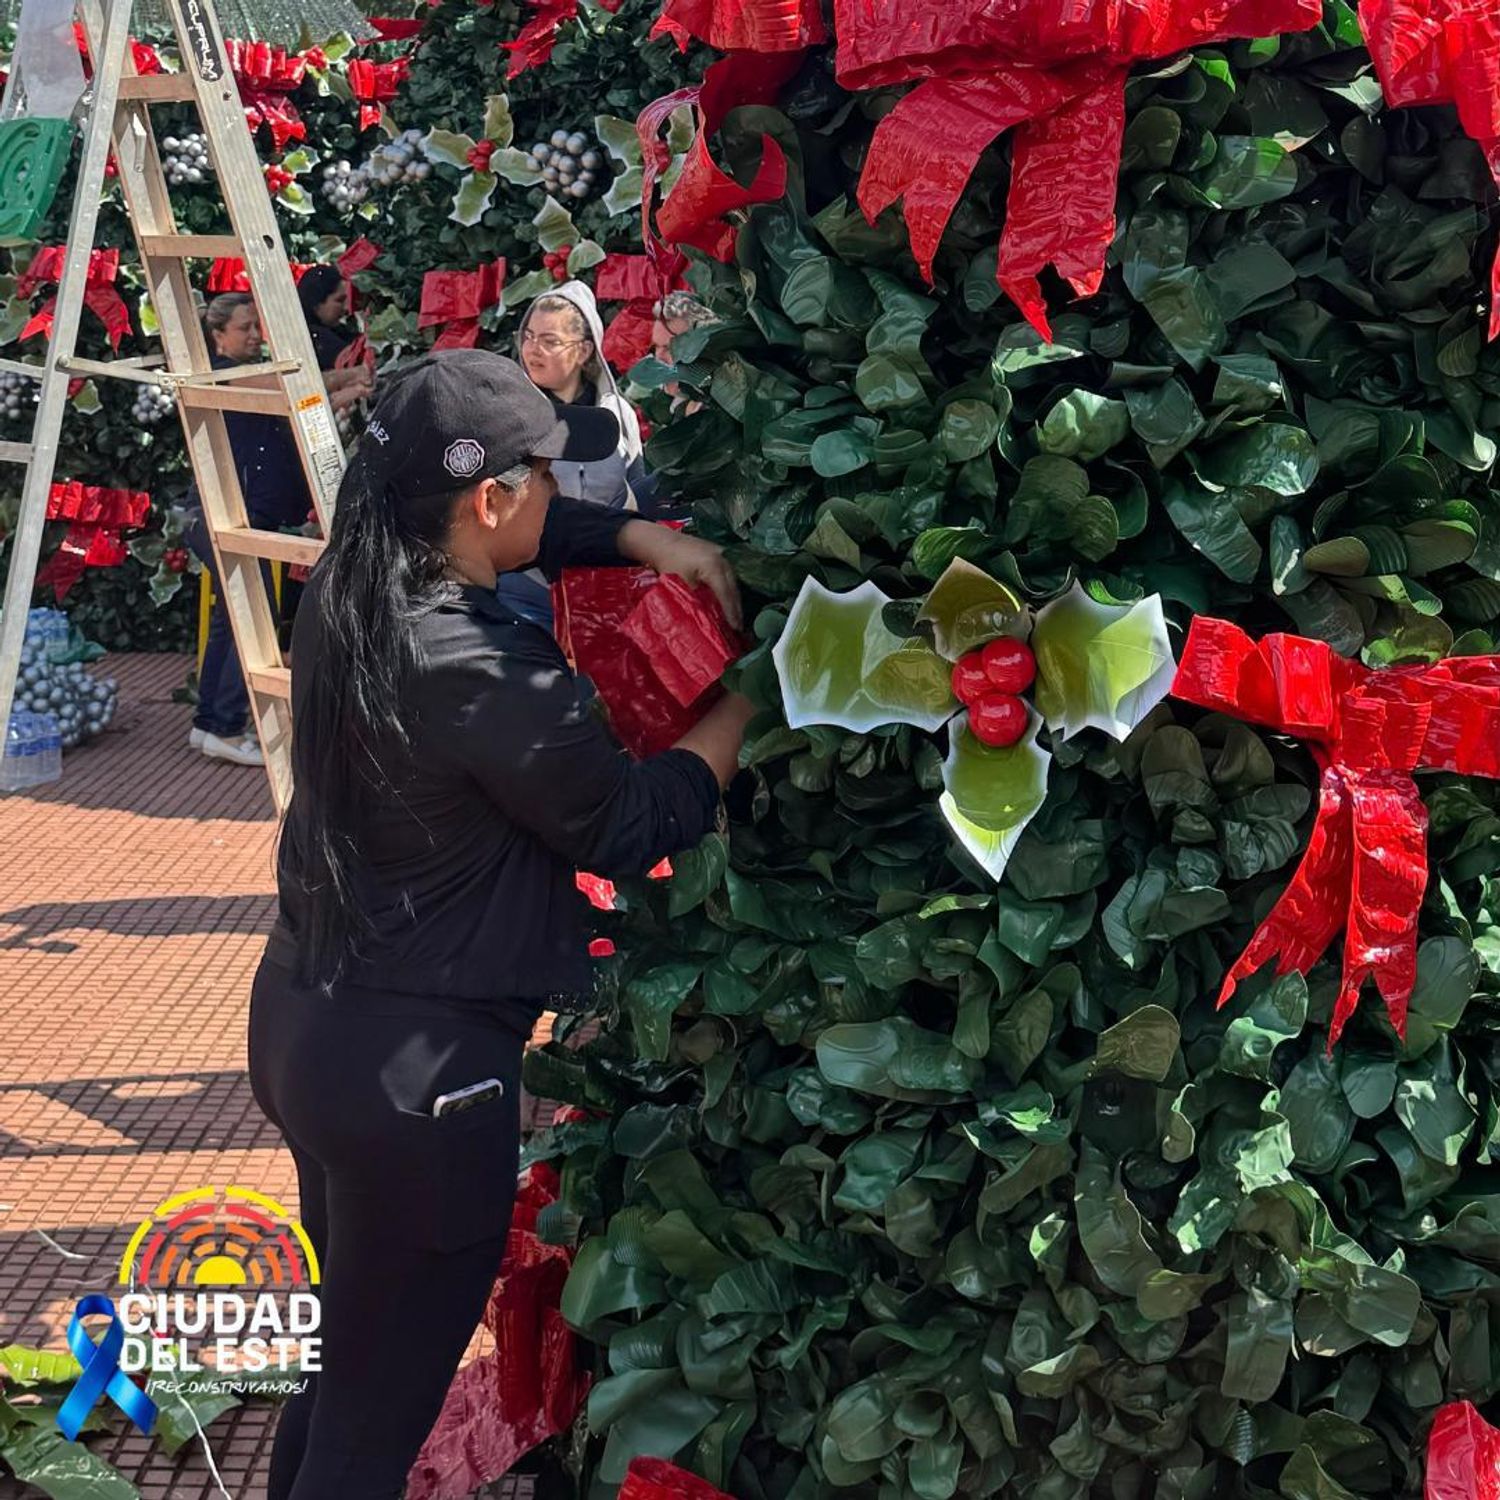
(102, 1375)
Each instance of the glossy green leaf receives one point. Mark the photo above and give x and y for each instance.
(967, 608)
(992, 793)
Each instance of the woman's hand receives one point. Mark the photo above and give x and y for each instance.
(690, 558)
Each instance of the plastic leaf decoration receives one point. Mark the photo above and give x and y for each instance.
(839, 665)
(992, 794)
(1098, 666)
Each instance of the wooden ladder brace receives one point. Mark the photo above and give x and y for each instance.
(288, 384)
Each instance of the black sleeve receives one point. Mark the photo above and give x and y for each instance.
(547, 760)
(580, 534)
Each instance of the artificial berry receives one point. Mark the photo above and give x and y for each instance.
(479, 155)
(175, 560)
(316, 58)
(970, 683)
(998, 719)
(1009, 665)
(556, 261)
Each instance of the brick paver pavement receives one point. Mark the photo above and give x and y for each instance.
(135, 896)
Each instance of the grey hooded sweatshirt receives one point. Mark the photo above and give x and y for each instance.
(607, 481)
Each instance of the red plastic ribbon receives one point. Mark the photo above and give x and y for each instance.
(531, 1387)
(1365, 869)
(453, 300)
(100, 294)
(145, 57)
(360, 256)
(227, 273)
(95, 516)
(638, 281)
(746, 25)
(1463, 1455)
(267, 76)
(395, 29)
(642, 668)
(1443, 52)
(656, 1479)
(693, 213)
(538, 36)
(374, 85)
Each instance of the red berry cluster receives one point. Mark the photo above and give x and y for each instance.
(556, 261)
(989, 682)
(278, 178)
(175, 559)
(316, 58)
(479, 155)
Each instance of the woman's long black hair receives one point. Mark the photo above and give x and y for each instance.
(382, 569)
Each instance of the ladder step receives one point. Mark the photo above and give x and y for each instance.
(15, 453)
(274, 682)
(137, 370)
(276, 546)
(26, 372)
(158, 88)
(191, 246)
(234, 398)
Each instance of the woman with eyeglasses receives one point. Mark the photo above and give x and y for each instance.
(560, 347)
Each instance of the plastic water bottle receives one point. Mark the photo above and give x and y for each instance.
(33, 751)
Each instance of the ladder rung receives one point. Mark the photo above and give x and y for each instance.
(192, 246)
(234, 398)
(15, 367)
(242, 372)
(15, 453)
(158, 88)
(274, 682)
(114, 369)
(277, 546)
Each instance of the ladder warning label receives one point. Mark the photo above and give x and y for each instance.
(324, 451)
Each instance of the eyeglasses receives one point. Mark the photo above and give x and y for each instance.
(549, 343)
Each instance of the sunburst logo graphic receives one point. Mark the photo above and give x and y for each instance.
(220, 1239)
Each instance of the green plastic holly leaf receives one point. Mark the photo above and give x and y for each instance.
(554, 226)
(993, 792)
(583, 255)
(619, 138)
(1100, 666)
(625, 192)
(448, 148)
(473, 198)
(498, 125)
(519, 167)
(524, 288)
(839, 664)
(967, 607)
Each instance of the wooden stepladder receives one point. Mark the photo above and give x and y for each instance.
(286, 384)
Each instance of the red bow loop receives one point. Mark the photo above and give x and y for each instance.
(1365, 868)
(374, 85)
(100, 294)
(95, 516)
(454, 300)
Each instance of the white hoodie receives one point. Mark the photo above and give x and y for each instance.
(606, 481)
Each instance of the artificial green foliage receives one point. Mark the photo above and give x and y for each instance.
(898, 1185)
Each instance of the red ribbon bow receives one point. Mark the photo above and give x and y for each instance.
(266, 76)
(375, 84)
(1366, 863)
(96, 516)
(228, 274)
(533, 46)
(100, 294)
(637, 281)
(454, 301)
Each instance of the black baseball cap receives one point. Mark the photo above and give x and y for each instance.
(461, 415)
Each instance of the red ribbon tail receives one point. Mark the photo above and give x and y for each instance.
(1390, 879)
(1312, 908)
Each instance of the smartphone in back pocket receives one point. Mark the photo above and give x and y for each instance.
(467, 1097)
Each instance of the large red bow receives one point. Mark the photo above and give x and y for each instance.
(375, 84)
(454, 301)
(95, 517)
(1443, 52)
(100, 294)
(227, 273)
(638, 281)
(267, 76)
(1366, 863)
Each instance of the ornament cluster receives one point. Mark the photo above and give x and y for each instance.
(345, 186)
(151, 405)
(572, 165)
(397, 161)
(82, 704)
(989, 683)
(17, 394)
(184, 159)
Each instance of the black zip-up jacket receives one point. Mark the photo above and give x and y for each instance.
(511, 785)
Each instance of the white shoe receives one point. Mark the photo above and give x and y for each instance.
(196, 737)
(241, 752)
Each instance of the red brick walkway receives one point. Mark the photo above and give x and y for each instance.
(135, 896)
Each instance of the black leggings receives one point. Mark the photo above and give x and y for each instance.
(408, 1214)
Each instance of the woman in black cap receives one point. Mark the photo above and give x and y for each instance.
(449, 784)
